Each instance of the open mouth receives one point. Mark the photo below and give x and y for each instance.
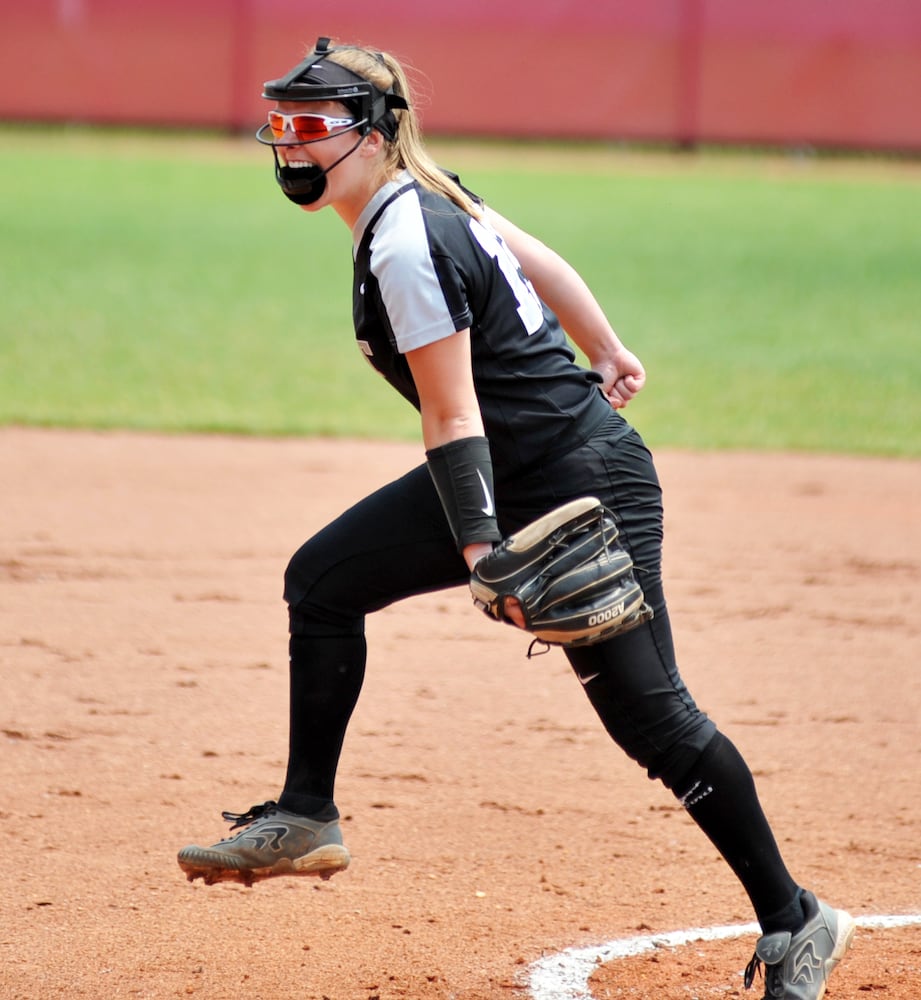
(299, 164)
(301, 180)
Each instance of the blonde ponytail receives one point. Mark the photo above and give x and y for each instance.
(407, 151)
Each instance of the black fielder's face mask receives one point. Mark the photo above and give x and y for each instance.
(305, 185)
(320, 79)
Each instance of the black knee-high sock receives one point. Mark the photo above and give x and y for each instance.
(719, 793)
(326, 675)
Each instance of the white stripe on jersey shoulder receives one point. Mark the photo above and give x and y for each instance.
(401, 260)
(370, 210)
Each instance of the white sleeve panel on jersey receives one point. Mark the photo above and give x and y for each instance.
(401, 260)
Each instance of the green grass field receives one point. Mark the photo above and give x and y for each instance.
(162, 282)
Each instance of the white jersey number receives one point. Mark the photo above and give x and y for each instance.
(529, 307)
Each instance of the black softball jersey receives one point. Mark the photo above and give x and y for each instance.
(425, 269)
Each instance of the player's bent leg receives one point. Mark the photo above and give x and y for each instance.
(633, 683)
(803, 939)
(367, 558)
(394, 543)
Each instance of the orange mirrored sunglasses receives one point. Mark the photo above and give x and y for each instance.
(306, 127)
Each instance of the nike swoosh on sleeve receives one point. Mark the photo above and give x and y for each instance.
(489, 509)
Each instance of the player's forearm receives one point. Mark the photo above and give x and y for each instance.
(579, 313)
(456, 448)
(441, 427)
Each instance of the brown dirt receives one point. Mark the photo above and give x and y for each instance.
(490, 820)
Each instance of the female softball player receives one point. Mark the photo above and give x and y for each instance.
(464, 315)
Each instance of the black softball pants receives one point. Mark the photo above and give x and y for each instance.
(396, 544)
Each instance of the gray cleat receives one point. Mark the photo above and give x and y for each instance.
(797, 966)
(273, 842)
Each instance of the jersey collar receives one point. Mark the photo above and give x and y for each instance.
(377, 200)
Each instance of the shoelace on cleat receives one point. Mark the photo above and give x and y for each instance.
(772, 975)
(750, 970)
(251, 815)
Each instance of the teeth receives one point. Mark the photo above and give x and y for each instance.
(297, 164)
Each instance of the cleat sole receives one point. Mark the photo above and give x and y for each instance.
(324, 862)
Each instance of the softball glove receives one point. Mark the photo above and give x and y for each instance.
(574, 583)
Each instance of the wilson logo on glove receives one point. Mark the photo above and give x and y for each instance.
(573, 581)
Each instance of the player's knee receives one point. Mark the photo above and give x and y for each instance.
(296, 578)
(316, 606)
(305, 620)
(308, 578)
(673, 766)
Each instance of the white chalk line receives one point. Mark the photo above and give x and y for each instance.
(565, 975)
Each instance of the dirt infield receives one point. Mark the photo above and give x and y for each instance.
(490, 819)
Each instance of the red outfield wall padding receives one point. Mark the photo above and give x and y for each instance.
(842, 73)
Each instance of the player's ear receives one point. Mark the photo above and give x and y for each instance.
(373, 143)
